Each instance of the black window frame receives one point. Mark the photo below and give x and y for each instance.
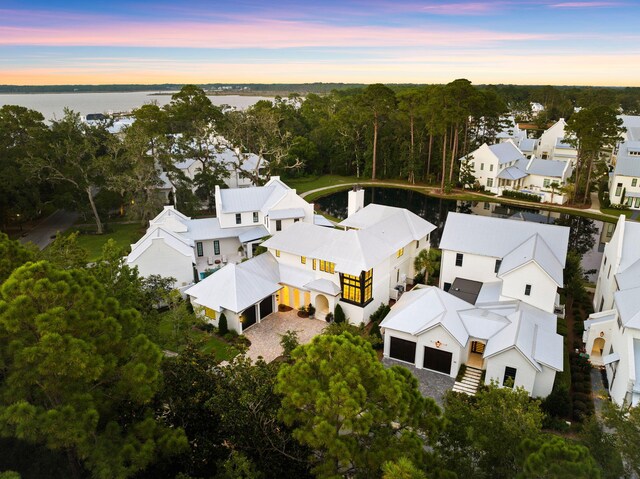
(459, 259)
(363, 284)
(238, 218)
(256, 218)
(497, 267)
(278, 225)
(199, 249)
(216, 247)
(446, 286)
(509, 373)
(527, 290)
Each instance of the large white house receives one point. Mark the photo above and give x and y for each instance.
(504, 166)
(553, 143)
(496, 311)
(364, 263)
(612, 333)
(189, 249)
(624, 181)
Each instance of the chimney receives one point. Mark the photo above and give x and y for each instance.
(356, 200)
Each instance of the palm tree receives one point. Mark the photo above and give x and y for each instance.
(427, 261)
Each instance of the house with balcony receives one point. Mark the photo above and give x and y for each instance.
(505, 167)
(245, 217)
(612, 333)
(366, 261)
(496, 307)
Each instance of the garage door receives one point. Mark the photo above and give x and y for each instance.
(402, 349)
(249, 317)
(437, 360)
(266, 307)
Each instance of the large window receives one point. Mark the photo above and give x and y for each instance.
(490, 182)
(509, 376)
(459, 258)
(199, 248)
(546, 183)
(357, 289)
(619, 189)
(327, 266)
(216, 247)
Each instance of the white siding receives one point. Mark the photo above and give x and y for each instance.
(525, 372)
(159, 258)
(543, 289)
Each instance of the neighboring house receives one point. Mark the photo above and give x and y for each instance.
(553, 143)
(528, 147)
(612, 333)
(359, 267)
(501, 260)
(624, 180)
(497, 307)
(245, 217)
(536, 109)
(504, 167)
(435, 330)
(513, 133)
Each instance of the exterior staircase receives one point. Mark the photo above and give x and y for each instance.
(470, 382)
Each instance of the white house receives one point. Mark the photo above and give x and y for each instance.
(612, 333)
(536, 108)
(553, 144)
(245, 217)
(503, 259)
(435, 330)
(496, 307)
(365, 263)
(505, 167)
(513, 132)
(624, 187)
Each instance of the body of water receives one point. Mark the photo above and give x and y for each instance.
(52, 105)
(587, 236)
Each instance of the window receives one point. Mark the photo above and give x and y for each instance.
(255, 217)
(199, 248)
(634, 182)
(486, 206)
(609, 272)
(509, 376)
(601, 304)
(216, 247)
(637, 203)
(417, 244)
(497, 267)
(277, 253)
(400, 252)
(629, 200)
(278, 225)
(490, 167)
(619, 189)
(210, 313)
(489, 182)
(314, 264)
(238, 218)
(546, 182)
(303, 259)
(605, 261)
(327, 266)
(527, 290)
(459, 257)
(482, 166)
(447, 286)
(357, 289)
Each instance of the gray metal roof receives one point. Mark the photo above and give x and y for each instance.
(506, 152)
(512, 173)
(626, 164)
(628, 305)
(497, 237)
(549, 168)
(287, 213)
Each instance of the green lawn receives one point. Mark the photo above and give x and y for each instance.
(616, 213)
(207, 343)
(123, 234)
(309, 183)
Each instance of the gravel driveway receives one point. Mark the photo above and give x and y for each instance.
(265, 336)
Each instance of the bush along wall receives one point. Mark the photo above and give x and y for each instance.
(519, 195)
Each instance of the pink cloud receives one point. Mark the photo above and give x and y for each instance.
(252, 34)
(585, 4)
(462, 8)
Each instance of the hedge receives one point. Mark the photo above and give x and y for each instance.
(519, 195)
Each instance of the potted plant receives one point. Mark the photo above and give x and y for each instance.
(302, 312)
(311, 310)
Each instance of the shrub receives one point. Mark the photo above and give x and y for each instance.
(380, 313)
(519, 195)
(223, 327)
(339, 314)
(289, 342)
(311, 310)
(329, 318)
(558, 403)
(461, 371)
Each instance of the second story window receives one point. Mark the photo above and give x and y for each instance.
(238, 218)
(497, 267)
(199, 248)
(327, 266)
(314, 264)
(527, 290)
(303, 259)
(459, 258)
(278, 225)
(277, 253)
(255, 217)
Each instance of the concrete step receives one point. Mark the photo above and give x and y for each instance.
(472, 375)
(463, 388)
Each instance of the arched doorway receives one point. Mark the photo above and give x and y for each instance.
(598, 347)
(322, 306)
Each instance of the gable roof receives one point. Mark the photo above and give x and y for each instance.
(628, 305)
(533, 249)
(626, 164)
(240, 200)
(552, 168)
(497, 237)
(235, 287)
(174, 240)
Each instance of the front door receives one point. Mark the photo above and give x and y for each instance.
(477, 347)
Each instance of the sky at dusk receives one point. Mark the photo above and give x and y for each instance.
(526, 42)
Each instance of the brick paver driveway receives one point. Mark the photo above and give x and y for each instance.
(265, 336)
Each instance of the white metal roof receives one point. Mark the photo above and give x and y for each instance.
(506, 152)
(628, 305)
(235, 287)
(324, 286)
(322, 221)
(512, 173)
(630, 242)
(287, 213)
(239, 200)
(534, 249)
(497, 237)
(630, 277)
(548, 168)
(177, 242)
(626, 164)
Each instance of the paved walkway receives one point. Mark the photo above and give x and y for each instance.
(42, 234)
(265, 336)
(598, 391)
(431, 384)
